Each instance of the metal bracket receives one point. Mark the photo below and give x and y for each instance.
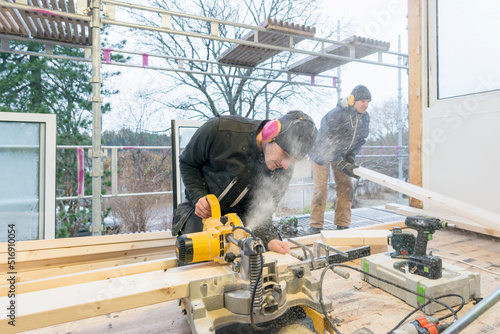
(327, 249)
(306, 250)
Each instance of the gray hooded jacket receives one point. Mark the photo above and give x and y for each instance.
(343, 131)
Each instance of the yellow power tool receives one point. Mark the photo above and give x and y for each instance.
(211, 243)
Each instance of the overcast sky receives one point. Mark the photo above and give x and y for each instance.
(378, 19)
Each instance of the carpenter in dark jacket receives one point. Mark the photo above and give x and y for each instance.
(247, 164)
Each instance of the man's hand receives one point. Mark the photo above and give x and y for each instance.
(202, 208)
(350, 158)
(278, 246)
(347, 168)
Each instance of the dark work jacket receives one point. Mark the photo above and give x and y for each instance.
(222, 158)
(342, 132)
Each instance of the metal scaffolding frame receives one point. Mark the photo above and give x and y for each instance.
(48, 20)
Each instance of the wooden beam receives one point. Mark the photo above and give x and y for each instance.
(64, 261)
(39, 273)
(415, 93)
(482, 216)
(354, 237)
(86, 241)
(34, 255)
(382, 226)
(90, 276)
(462, 223)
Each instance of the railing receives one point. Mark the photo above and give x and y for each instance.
(367, 152)
(114, 171)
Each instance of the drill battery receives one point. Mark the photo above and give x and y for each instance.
(403, 243)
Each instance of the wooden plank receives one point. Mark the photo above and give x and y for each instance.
(69, 35)
(29, 23)
(14, 21)
(57, 21)
(479, 215)
(62, 261)
(39, 273)
(382, 226)
(91, 276)
(34, 255)
(86, 241)
(415, 69)
(462, 223)
(354, 237)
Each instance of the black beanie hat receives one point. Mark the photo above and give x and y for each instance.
(360, 92)
(297, 134)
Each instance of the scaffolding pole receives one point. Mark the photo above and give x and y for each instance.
(96, 114)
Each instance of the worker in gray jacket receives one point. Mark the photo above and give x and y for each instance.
(342, 132)
(247, 164)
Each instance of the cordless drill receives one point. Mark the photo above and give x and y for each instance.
(420, 263)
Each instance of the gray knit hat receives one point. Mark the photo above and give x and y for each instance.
(360, 92)
(297, 134)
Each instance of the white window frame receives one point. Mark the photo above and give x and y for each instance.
(176, 125)
(47, 180)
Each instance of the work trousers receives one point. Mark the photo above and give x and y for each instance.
(345, 194)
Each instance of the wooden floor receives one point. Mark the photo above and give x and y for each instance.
(358, 304)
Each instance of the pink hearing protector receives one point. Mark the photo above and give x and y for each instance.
(271, 130)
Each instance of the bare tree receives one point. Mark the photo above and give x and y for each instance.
(385, 123)
(384, 129)
(232, 91)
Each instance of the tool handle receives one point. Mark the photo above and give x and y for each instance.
(341, 273)
(214, 206)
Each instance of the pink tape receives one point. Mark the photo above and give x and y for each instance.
(313, 81)
(80, 170)
(107, 55)
(335, 82)
(145, 59)
(44, 12)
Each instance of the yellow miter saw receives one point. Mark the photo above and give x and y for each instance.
(213, 242)
(257, 290)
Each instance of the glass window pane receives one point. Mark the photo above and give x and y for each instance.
(468, 47)
(19, 179)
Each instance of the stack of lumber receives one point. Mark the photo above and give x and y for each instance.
(39, 259)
